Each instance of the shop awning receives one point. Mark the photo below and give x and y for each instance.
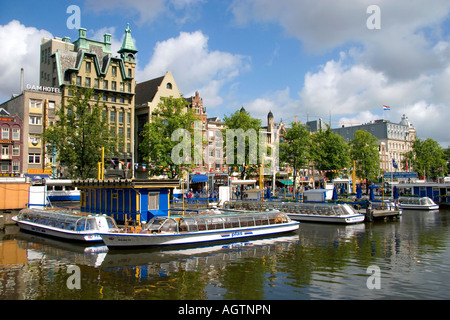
(199, 178)
(286, 182)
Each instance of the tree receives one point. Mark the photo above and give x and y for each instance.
(427, 158)
(171, 122)
(364, 151)
(241, 138)
(295, 148)
(79, 134)
(330, 152)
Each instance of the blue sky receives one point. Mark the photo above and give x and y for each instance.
(297, 58)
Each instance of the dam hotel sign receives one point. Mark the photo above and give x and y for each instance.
(42, 88)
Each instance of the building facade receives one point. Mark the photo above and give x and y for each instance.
(11, 143)
(87, 63)
(395, 140)
(35, 107)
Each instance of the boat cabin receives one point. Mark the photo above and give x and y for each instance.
(126, 200)
(66, 221)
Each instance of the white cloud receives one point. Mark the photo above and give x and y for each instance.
(22, 43)
(194, 66)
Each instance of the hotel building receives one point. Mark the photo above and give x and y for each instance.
(91, 64)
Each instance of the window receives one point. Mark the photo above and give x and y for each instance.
(16, 166)
(112, 116)
(105, 84)
(16, 134)
(105, 97)
(5, 150)
(114, 71)
(88, 67)
(129, 87)
(130, 73)
(34, 158)
(35, 120)
(121, 86)
(121, 117)
(51, 104)
(5, 133)
(35, 103)
(153, 200)
(169, 86)
(78, 81)
(113, 85)
(87, 82)
(113, 99)
(16, 151)
(5, 166)
(96, 83)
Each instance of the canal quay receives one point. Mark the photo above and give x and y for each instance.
(406, 258)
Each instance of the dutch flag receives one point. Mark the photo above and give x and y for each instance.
(386, 108)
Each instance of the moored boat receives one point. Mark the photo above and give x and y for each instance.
(64, 224)
(209, 226)
(420, 203)
(312, 212)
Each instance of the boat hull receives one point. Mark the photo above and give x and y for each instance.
(127, 240)
(58, 233)
(419, 207)
(358, 218)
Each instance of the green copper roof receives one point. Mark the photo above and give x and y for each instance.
(128, 44)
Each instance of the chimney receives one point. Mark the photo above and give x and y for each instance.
(21, 80)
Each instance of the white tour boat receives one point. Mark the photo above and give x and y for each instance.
(64, 224)
(421, 203)
(214, 225)
(312, 212)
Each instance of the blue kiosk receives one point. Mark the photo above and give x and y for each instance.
(126, 200)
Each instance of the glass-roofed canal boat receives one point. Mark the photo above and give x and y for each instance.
(65, 224)
(207, 226)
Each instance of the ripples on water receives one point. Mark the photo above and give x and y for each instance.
(320, 261)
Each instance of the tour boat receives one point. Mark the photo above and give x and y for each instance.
(312, 212)
(421, 203)
(213, 225)
(65, 224)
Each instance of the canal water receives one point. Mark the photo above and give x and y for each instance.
(403, 259)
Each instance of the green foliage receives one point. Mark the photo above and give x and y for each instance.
(329, 152)
(364, 151)
(79, 134)
(157, 147)
(240, 125)
(428, 158)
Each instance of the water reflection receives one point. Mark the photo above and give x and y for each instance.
(319, 261)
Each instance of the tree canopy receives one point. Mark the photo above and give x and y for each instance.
(167, 144)
(427, 158)
(79, 133)
(364, 151)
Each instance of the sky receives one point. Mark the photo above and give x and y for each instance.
(338, 60)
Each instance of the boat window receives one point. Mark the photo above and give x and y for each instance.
(214, 223)
(191, 224)
(201, 224)
(90, 224)
(231, 222)
(111, 223)
(155, 223)
(169, 225)
(246, 221)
